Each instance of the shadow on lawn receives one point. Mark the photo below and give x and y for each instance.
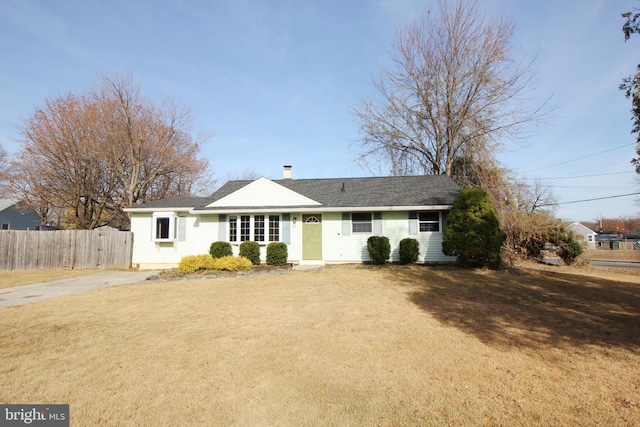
(528, 308)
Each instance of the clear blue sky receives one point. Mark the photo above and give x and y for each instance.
(272, 81)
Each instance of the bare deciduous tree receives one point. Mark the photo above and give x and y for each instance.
(4, 168)
(150, 146)
(525, 210)
(244, 174)
(60, 172)
(85, 158)
(453, 91)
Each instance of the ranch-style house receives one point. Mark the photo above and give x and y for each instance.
(320, 220)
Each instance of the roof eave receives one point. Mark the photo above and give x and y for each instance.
(152, 210)
(320, 209)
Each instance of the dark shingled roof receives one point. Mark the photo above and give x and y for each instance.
(426, 190)
(379, 191)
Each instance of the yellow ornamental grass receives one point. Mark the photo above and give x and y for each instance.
(194, 263)
(232, 263)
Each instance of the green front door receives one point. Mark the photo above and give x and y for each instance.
(312, 237)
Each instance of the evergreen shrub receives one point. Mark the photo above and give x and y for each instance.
(251, 251)
(220, 249)
(379, 249)
(409, 251)
(277, 253)
(568, 246)
(473, 232)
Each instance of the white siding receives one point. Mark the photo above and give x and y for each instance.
(294, 249)
(395, 226)
(339, 248)
(201, 231)
(587, 235)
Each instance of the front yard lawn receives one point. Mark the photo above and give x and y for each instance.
(344, 346)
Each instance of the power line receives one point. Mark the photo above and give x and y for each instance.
(580, 158)
(582, 176)
(589, 200)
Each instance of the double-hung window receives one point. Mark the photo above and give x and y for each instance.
(274, 228)
(429, 221)
(233, 228)
(165, 227)
(245, 228)
(256, 228)
(361, 222)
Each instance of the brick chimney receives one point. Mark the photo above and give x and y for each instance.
(287, 172)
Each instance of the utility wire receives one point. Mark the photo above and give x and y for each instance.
(580, 158)
(581, 176)
(588, 200)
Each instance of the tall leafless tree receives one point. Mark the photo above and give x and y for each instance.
(453, 90)
(86, 157)
(4, 167)
(149, 145)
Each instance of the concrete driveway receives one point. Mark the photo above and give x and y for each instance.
(72, 285)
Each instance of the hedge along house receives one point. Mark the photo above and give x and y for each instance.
(320, 220)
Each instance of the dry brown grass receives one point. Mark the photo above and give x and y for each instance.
(340, 346)
(612, 255)
(9, 279)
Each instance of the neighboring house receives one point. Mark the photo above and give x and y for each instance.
(587, 235)
(12, 218)
(320, 220)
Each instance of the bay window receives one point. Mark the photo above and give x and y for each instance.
(255, 228)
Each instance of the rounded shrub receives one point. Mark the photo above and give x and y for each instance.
(251, 251)
(473, 232)
(277, 253)
(379, 249)
(409, 251)
(194, 263)
(232, 263)
(220, 249)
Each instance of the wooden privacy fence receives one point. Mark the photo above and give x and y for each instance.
(60, 249)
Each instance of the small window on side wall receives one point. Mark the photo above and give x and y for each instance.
(5, 225)
(429, 221)
(165, 227)
(361, 222)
